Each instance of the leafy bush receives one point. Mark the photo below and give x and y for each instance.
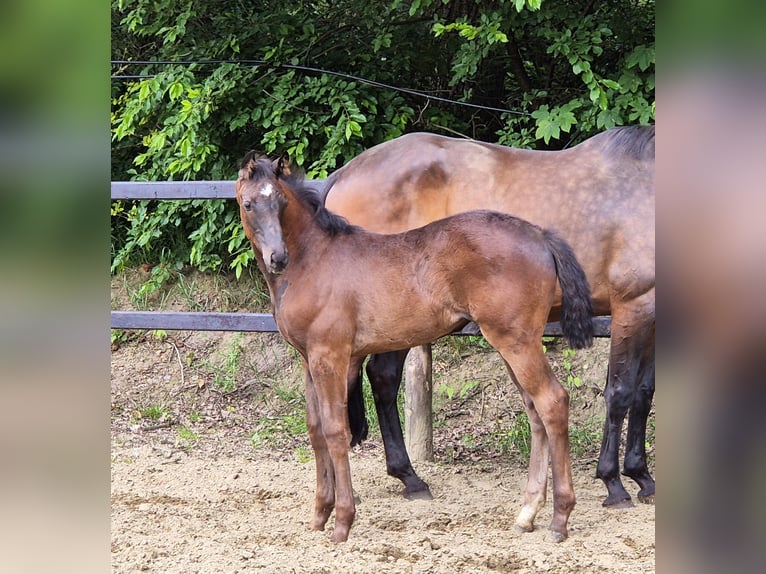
(196, 85)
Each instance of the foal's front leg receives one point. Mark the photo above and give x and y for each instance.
(328, 372)
(324, 501)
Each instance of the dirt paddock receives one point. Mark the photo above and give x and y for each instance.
(215, 503)
(175, 512)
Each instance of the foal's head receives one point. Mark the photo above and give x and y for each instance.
(263, 187)
(261, 202)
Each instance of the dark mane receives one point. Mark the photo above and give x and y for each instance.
(256, 166)
(634, 141)
(328, 221)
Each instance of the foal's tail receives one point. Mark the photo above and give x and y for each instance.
(576, 306)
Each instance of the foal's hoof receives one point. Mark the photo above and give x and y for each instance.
(418, 494)
(523, 528)
(339, 534)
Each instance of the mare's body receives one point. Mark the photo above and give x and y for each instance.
(598, 195)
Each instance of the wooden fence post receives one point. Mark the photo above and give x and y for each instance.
(418, 394)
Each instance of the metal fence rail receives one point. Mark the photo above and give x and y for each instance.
(263, 322)
(213, 321)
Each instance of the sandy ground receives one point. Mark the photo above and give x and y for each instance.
(216, 503)
(174, 512)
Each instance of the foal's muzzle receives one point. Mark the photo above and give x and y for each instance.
(278, 262)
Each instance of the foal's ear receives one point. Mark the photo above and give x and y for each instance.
(282, 165)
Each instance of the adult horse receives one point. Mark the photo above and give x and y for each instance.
(598, 195)
(488, 267)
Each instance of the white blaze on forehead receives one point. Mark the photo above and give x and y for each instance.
(267, 190)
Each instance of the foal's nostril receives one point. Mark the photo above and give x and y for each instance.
(278, 261)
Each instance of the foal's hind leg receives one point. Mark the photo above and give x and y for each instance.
(537, 477)
(635, 465)
(548, 406)
(385, 374)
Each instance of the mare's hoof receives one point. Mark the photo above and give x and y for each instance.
(618, 504)
(646, 498)
(418, 494)
(556, 537)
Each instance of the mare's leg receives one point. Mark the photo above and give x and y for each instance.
(329, 368)
(628, 341)
(385, 374)
(324, 500)
(537, 477)
(635, 465)
(548, 404)
(357, 417)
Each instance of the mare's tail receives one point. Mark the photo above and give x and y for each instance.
(576, 306)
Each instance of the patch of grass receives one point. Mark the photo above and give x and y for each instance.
(185, 433)
(517, 438)
(585, 437)
(450, 393)
(469, 440)
(572, 380)
(225, 376)
(464, 345)
(273, 431)
(154, 412)
(155, 287)
(303, 454)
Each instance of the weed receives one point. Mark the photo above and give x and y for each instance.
(187, 434)
(468, 440)
(516, 438)
(585, 438)
(572, 380)
(448, 391)
(279, 429)
(225, 377)
(119, 336)
(294, 424)
(465, 345)
(160, 275)
(154, 412)
(303, 454)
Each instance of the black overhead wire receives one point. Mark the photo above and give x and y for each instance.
(301, 69)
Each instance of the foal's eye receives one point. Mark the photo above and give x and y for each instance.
(247, 205)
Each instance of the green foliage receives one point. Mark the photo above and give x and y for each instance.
(517, 438)
(451, 393)
(566, 70)
(154, 412)
(573, 381)
(188, 435)
(225, 375)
